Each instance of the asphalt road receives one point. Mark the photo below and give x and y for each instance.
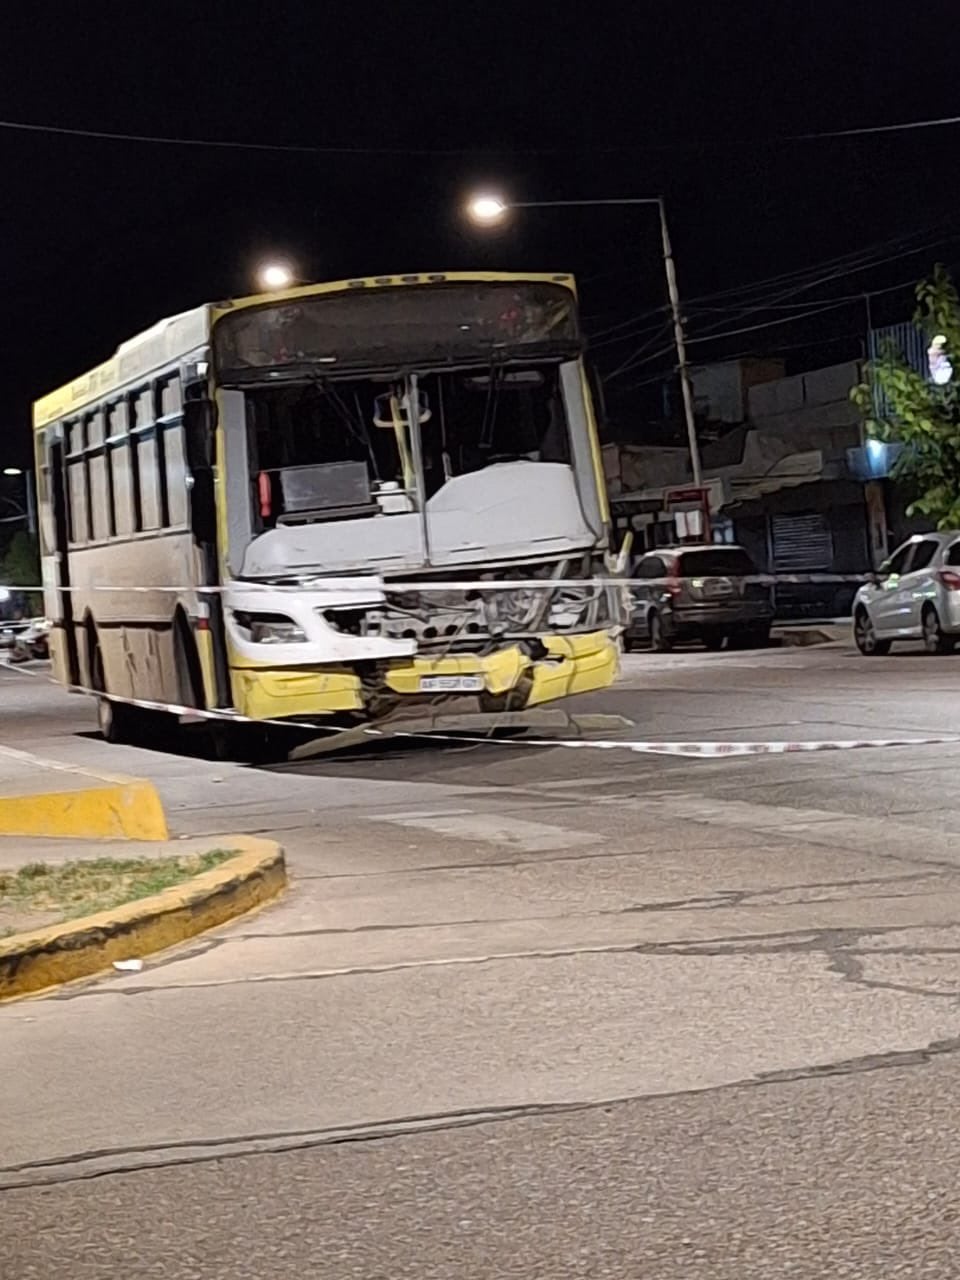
(530, 1010)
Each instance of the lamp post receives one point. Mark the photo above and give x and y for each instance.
(487, 209)
(30, 510)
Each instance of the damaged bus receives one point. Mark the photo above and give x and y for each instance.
(309, 507)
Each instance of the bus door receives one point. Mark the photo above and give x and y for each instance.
(60, 550)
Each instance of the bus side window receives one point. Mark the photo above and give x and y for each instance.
(97, 475)
(170, 402)
(77, 483)
(121, 472)
(147, 472)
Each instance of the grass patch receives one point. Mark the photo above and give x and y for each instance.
(72, 889)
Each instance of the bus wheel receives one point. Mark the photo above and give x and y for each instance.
(116, 719)
(187, 665)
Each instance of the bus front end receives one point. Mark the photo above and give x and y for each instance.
(413, 518)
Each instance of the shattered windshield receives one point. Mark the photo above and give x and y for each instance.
(391, 327)
(336, 448)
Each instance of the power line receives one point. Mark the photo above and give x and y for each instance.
(717, 333)
(770, 324)
(861, 259)
(224, 144)
(712, 144)
(941, 122)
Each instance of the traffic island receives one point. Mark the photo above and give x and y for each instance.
(139, 906)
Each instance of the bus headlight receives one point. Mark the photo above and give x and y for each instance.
(270, 628)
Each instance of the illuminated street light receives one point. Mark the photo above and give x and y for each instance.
(487, 209)
(275, 275)
(12, 471)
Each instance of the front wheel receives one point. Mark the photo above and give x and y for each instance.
(660, 642)
(865, 636)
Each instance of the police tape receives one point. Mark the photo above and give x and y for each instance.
(691, 750)
(375, 584)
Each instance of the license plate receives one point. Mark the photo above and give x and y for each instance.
(719, 587)
(452, 684)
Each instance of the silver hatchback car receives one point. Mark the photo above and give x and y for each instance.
(915, 595)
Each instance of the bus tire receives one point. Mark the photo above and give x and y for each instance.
(186, 661)
(116, 719)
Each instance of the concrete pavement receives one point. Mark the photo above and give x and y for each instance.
(851, 1175)
(480, 935)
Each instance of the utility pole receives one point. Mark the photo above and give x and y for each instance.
(680, 341)
(486, 210)
(31, 498)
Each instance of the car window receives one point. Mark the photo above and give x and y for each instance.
(651, 567)
(953, 554)
(899, 558)
(923, 553)
(722, 562)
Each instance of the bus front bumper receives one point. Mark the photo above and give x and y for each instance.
(572, 665)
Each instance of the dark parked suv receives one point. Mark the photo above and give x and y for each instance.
(699, 593)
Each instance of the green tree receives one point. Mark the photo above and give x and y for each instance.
(923, 417)
(21, 567)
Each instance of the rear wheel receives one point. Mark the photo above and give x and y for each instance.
(934, 641)
(117, 720)
(660, 642)
(865, 636)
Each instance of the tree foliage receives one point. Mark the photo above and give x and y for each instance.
(20, 567)
(21, 564)
(902, 405)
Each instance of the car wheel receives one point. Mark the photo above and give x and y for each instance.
(865, 636)
(713, 640)
(659, 641)
(757, 637)
(934, 641)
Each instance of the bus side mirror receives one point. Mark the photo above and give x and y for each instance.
(199, 431)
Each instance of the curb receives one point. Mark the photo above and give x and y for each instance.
(33, 962)
(802, 637)
(126, 810)
(113, 808)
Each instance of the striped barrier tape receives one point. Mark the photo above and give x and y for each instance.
(361, 585)
(690, 750)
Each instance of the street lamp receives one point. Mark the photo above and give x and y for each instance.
(275, 275)
(488, 209)
(30, 512)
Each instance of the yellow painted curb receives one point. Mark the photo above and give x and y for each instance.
(32, 962)
(112, 808)
(121, 811)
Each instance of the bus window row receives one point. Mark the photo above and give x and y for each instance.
(126, 466)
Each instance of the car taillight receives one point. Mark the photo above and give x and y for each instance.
(674, 584)
(949, 579)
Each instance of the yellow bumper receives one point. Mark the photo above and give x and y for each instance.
(576, 664)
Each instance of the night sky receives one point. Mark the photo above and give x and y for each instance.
(690, 100)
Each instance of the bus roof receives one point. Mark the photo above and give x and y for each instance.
(189, 332)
